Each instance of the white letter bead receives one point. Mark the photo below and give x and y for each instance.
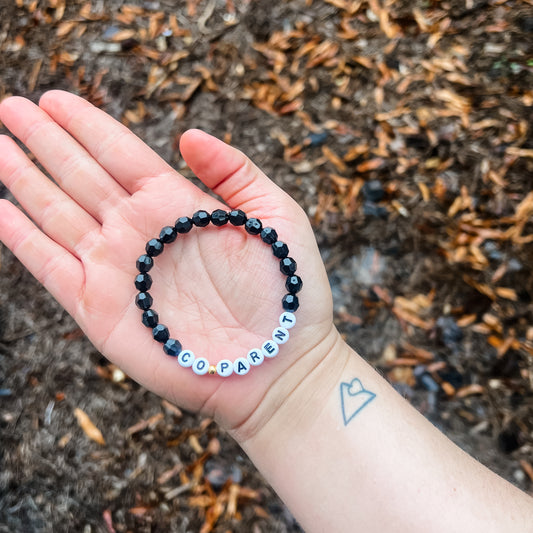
(287, 320)
(270, 348)
(255, 357)
(280, 335)
(225, 368)
(241, 366)
(200, 366)
(186, 358)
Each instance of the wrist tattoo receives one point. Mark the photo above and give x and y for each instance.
(354, 398)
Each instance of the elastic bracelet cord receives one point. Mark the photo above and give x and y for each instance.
(172, 347)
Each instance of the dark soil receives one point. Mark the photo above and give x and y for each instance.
(406, 134)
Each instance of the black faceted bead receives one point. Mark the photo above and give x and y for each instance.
(253, 226)
(144, 263)
(201, 218)
(160, 333)
(154, 247)
(290, 302)
(280, 249)
(144, 301)
(269, 235)
(219, 217)
(143, 282)
(168, 234)
(150, 318)
(237, 217)
(288, 266)
(294, 284)
(183, 225)
(172, 347)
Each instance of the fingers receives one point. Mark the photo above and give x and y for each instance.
(77, 173)
(58, 270)
(62, 219)
(230, 174)
(115, 147)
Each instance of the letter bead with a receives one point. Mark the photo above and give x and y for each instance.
(241, 366)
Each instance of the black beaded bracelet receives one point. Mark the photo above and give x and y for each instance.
(172, 347)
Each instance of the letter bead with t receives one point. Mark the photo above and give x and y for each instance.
(287, 320)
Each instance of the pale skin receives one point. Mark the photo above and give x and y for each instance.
(219, 292)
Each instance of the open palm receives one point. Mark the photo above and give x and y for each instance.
(218, 290)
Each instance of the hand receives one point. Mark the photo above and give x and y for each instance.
(217, 290)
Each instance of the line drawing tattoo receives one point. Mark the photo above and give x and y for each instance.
(354, 398)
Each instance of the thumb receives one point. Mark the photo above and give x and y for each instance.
(231, 175)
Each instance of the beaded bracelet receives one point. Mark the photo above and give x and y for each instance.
(172, 347)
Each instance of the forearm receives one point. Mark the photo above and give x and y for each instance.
(381, 468)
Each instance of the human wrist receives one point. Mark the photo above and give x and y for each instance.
(318, 451)
(306, 382)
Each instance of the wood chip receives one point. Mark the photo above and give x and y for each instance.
(32, 80)
(413, 319)
(448, 389)
(64, 440)
(88, 426)
(520, 152)
(123, 35)
(507, 292)
(66, 27)
(334, 158)
(171, 408)
(466, 320)
(167, 475)
(420, 353)
(143, 424)
(371, 164)
(194, 443)
(527, 468)
(470, 390)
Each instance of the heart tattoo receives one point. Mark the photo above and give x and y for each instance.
(354, 397)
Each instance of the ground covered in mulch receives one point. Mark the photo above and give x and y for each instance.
(405, 131)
